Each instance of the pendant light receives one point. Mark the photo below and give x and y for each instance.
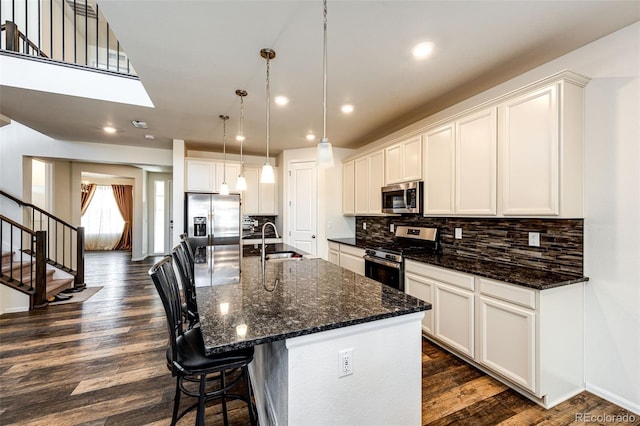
(241, 183)
(324, 151)
(224, 188)
(267, 170)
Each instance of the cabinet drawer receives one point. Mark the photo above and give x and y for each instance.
(510, 293)
(355, 251)
(454, 278)
(334, 246)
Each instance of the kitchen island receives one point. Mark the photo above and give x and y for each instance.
(307, 318)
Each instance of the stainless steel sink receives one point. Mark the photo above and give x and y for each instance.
(284, 255)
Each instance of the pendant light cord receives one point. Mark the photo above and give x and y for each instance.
(241, 132)
(268, 108)
(224, 147)
(324, 81)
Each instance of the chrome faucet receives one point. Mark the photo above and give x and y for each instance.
(263, 254)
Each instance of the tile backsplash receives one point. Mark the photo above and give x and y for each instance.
(497, 239)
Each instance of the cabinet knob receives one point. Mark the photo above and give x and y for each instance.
(313, 236)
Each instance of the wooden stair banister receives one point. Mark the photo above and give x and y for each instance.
(71, 243)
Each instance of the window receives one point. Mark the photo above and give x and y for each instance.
(102, 221)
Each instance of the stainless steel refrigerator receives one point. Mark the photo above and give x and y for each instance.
(212, 222)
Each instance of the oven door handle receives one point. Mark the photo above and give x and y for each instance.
(384, 262)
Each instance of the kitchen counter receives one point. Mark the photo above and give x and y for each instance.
(527, 277)
(301, 297)
(318, 330)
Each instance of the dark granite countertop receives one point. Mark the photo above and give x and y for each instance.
(527, 277)
(301, 297)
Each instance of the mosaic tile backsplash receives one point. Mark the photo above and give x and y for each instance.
(499, 239)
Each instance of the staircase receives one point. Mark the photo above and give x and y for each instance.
(43, 258)
(22, 276)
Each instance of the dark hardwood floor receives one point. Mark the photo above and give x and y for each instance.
(102, 362)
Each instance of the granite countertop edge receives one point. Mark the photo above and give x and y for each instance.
(518, 275)
(241, 344)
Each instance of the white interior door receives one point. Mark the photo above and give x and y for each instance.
(303, 206)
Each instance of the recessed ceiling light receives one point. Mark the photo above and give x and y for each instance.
(347, 108)
(311, 137)
(139, 124)
(109, 129)
(240, 138)
(281, 100)
(149, 136)
(422, 50)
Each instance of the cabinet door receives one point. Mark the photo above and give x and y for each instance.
(476, 156)
(376, 182)
(453, 317)
(530, 154)
(412, 159)
(348, 193)
(507, 341)
(250, 197)
(361, 185)
(334, 257)
(201, 175)
(393, 164)
(439, 186)
(422, 289)
(267, 196)
(228, 172)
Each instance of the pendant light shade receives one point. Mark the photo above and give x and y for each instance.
(241, 182)
(324, 154)
(224, 188)
(267, 175)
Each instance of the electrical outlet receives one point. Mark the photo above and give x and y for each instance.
(392, 228)
(534, 239)
(345, 362)
(458, 233)
(364, 225)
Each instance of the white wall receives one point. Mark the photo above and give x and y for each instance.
(612, 211)
(331, 222)
(18, 142)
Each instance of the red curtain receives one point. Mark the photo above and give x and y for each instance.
(124, 197)
(87, 192)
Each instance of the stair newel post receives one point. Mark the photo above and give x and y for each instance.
(12, 37)
(79, 279)
(40, 298)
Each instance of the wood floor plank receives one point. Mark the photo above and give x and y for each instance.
(102, 363)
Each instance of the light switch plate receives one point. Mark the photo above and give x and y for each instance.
(534, 239)
(458, 233)
(364, 225)
(392, 228)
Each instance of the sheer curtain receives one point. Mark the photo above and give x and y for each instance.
(102, 221)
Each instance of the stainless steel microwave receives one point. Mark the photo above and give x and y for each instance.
(402, 198)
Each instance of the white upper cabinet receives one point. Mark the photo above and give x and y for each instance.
(403, 161)
(476, 156)
(231, 176)
(541, 151)
(368, 179)
(440, 157)
(259, 198)
(460, 166)
(348, 188)
(200, 175)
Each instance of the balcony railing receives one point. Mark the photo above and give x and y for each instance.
(71, 31)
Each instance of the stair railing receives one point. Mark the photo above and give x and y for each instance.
(70, 31)
(64, 244)
(16, 270)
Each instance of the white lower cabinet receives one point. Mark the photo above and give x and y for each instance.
(452, 297)
(530, 339)
(454, 317)
(421, 288)
(334, 253)
(507, 340)
(352, 258)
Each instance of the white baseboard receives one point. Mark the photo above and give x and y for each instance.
(613, 398)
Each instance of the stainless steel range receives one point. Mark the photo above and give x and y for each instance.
(386, 263)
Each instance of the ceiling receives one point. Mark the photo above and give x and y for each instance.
(191, 56)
